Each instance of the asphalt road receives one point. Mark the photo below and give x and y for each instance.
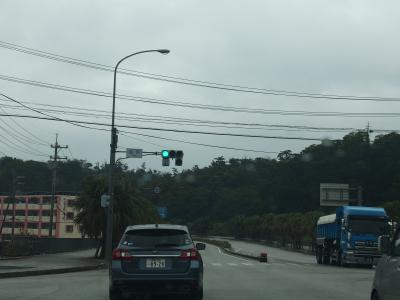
(287, 276)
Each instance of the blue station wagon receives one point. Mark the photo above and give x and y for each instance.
(156, 259)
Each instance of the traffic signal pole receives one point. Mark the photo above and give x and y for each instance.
(113, 150)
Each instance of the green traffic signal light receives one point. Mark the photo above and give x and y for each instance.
(165, 154)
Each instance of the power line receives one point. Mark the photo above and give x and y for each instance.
(18, 134)
(73, 123)
(190, 82)
(194, 105)
(76, 122)
(26, 146)
(122, 115)
(70, 153)
(41, 113)
(197, 144)
(189, 123)
(10, 144)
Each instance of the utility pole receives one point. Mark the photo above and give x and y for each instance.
(16, 181)
(12, 196)
(55, 158)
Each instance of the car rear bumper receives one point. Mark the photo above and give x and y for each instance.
(158, 286)
(171, 283)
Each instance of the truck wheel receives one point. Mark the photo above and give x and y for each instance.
(375, 296)
(326, 257)
(197, 295)
(342, 262)
(114, 294)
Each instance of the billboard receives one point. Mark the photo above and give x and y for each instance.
(334, 194)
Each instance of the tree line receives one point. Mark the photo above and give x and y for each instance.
(269, 198)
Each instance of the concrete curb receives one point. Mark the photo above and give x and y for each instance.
(52, 271)
(261, 243)
(230, 252)
(12, 257)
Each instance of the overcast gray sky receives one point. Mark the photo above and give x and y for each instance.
(318, 46)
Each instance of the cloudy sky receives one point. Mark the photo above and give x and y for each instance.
(314, 46)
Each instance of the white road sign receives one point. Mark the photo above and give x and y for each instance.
(134, 153)
(334, 194)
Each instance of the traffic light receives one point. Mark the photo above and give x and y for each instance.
(165, 162)
(179, 158)
(165, 154)
(177, 155)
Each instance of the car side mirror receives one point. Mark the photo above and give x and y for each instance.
(200, 246)
(384, 244)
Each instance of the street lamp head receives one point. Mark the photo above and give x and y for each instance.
(163, 51)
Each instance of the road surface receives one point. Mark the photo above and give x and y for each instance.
(288, 276)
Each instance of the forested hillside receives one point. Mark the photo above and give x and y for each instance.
(233, 187)
(290, 183)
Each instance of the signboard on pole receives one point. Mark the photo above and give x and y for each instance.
(104, 200)
(162, 211)
(134, 153)
(334, 194)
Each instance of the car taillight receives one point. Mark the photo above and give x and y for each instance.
(190, 254)
(121, 254)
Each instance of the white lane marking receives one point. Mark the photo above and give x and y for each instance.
(238, 250)
(293, 264)
(216, 264)
(232, 264)
(230, 255)
(247, 264)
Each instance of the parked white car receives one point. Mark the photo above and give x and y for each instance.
(387, 275)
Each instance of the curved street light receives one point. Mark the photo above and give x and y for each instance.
(113, 148)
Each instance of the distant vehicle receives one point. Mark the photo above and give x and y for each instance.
(350, 236)
(156, 259)
(263, 257)
(387, 274)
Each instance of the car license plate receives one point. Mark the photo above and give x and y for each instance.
(155, 263)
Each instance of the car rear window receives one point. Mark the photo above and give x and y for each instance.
(156, 238)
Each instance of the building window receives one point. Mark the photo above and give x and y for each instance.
(8, 200)
(47, 225)
(70, 215)
(46, 200)
(69, 228)
(33, 213)
(20, 201)
(71, 203)
(34, 201)
(7, 225)
(33, 225)
(46, 212)
(20, 212)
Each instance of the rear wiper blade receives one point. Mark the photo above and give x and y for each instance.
(166, 245)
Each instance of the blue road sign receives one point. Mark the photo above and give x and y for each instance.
(162, 211)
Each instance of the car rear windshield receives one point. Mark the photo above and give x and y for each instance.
(154, 238)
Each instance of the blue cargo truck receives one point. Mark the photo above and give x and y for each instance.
(350, 236)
